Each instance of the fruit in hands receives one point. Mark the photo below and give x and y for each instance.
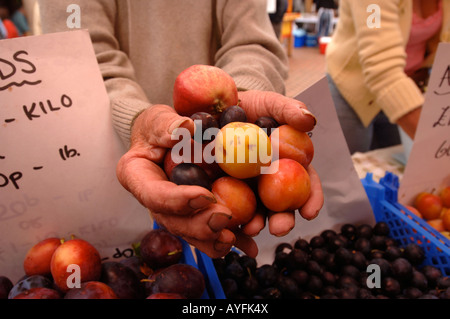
(201, 155)
(206, 127)
(233, 113)
(204, 88)
(182, 279)
(242, 150)
(268, 124)
(38, 258)
(287, 189)
(238, 197)
(292, 144)
(429, 205)
(190, 174)
(91, 290)
(160, 249)
(75, 252)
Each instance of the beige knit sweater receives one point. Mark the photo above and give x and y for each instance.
(142, 45)
(367, 63)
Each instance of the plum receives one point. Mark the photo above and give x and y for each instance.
(137, 265)
(182, 279)
(35, 281)
(122, 280)
(206, 125)
(165, 295)
(268, 124)
(233, 114)
(190, 174)
(39, 293)
(5, 287)
(159, 249)
(91, 290)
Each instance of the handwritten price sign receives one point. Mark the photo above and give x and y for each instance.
(58, 151)
(428, 167)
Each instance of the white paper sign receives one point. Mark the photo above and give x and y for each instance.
(345, 198)
(58, 152)
(428, 166)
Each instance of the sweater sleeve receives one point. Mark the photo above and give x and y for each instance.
(126, 96)
(248, 48)
(383, 58)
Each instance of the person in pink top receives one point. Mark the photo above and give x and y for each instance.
(425, 25)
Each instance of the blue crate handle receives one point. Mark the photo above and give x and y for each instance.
(407, 227)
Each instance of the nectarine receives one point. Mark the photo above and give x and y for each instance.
(38, 258)
(413, 210)
(238, 197)
(75, 252)
(445, 196)
(287, 189)
(292, 144)
(429, 205)
(242, 150)
(437, 224)
(445, 216)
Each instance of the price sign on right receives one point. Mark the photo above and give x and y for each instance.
(428, 167)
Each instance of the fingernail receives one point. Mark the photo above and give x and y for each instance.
(201, 202)
(283, 234)
(314, 216)
(225, 241)
(308, 113)
(218, 221)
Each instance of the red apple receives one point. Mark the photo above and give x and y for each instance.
(38, 258)
(76, 252)
(204, 88)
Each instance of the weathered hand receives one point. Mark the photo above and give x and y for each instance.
(190, 212)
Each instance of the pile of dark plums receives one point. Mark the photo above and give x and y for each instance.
(335, 265)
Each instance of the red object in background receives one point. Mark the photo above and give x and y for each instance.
(10, 28)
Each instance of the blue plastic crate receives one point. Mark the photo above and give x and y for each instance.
(203, 263)
(406, 227)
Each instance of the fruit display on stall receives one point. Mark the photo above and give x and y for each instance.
(335, 265)
(155, 271)
(248, 166)
(434, 209)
